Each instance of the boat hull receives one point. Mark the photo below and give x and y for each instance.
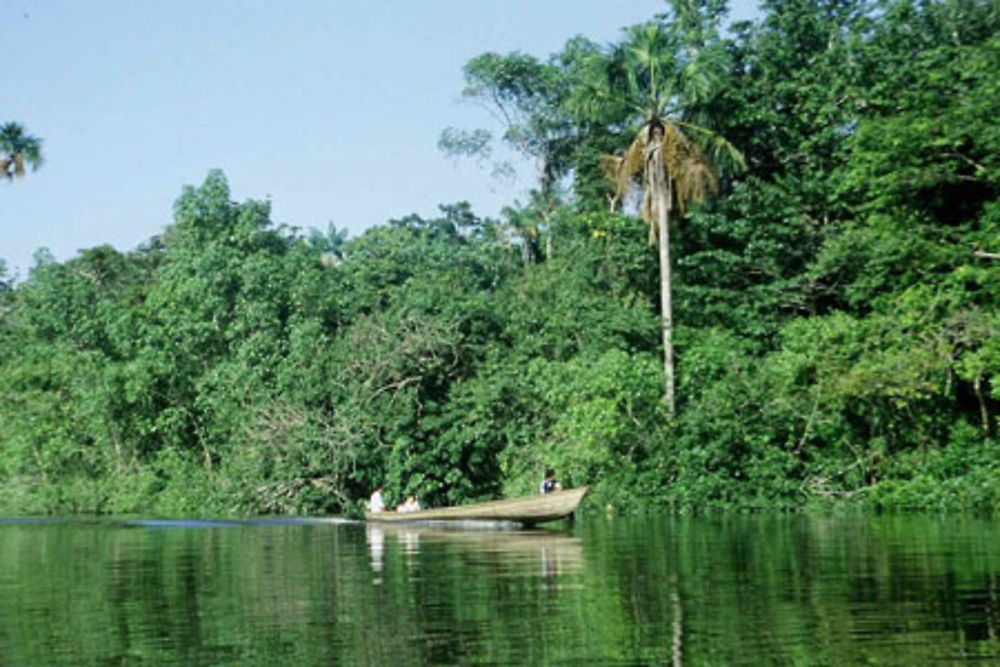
(529, 509)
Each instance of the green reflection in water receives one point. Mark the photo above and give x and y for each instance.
(732, 590)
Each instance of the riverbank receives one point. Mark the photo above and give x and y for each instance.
(204, 495)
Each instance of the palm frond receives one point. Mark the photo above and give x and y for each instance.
(612, 169)
(702, 75)
(632, 164)
(624, 170)
(694, 181)
(610, 166)
(720, 150)
(672, 162)
(726, 153)
(648, 215)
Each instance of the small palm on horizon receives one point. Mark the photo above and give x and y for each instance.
(17, 149)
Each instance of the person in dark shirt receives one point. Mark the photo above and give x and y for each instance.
(550, 483)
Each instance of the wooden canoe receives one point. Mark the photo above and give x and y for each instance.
(529, 510)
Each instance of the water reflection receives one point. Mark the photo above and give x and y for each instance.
(676, 627)
(409, 541)
(375, 537)
(722, 590)
(556, 553)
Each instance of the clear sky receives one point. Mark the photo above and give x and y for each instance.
(329, 108)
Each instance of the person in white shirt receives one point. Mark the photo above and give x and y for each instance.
(411, 505)
(376, 504)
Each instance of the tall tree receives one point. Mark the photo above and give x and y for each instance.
(18, 148)
(523, 95)
(662, 79)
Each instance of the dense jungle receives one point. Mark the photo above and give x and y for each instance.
(822, 184)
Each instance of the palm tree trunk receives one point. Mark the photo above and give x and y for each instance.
(666, 304)
(658, 188)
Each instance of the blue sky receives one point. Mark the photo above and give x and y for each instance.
(329, 108)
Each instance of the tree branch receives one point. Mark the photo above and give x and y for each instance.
(966, 159)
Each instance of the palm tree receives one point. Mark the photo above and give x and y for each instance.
(329, 245)
(660, 81)
(18, 148)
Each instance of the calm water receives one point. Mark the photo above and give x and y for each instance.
(717, 591)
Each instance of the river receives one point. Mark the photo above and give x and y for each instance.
(726, 590)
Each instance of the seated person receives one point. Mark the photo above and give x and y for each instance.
(550, 483)
(376, 504)
(411, 504)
